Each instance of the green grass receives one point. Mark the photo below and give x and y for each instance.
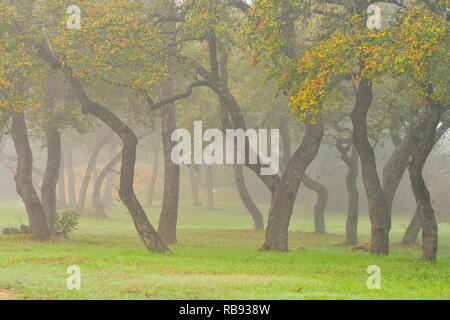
(216, 257)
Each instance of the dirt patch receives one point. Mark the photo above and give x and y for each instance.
(5, 295)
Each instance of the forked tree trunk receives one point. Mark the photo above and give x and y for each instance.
(257, 217)
(145, 230)
(62, 183)
(24, 181)
(167, 228)
(417, 161)
(99, 210)
(285, 193)
(321, 202)
(351, 225)
(412, 232)
(195, 183)
(209, 173)
(51, 174)
(156, 147)
(89, 172)
(70, 179)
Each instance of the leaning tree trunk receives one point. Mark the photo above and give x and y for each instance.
(88, 174)
(321, 202)
(24, 180)
(195, 183)
(421, 194)
(72, 196)
(378, 211)
(285, 193)
(62, 183)
(156, 147)
(210, 186)
(412, 232)
(99, 210)
(258, 220)
(145, 230)
(51, 174)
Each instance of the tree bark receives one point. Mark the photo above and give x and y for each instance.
(70, 178)
(258, 220)
(145, 230)
(210, 186)
(321, 202)
(194, 179)
(109, 190)
(24, 181)
(412, 232)
(417, 161)
(99, 210)
(88, 173)
(51, 174)
(156, 147)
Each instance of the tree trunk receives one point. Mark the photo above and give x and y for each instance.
(258, 220)
(99, 210)
(24, 181)
(422, 195)
(70, 178)
(145, 230)
(378, 211)
(210, 186)
(194, 178)
(412, 232)
(283, 198)
(109, 190)
(51, 174)
(351, 226)
(88, 174)
(62, 183)
(156, 147)
(167, 228)
(321, 202)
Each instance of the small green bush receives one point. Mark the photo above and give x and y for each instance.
(25, 229)
(67, 222)
(7, 231)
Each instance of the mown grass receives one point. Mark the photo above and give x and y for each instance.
(216, 257)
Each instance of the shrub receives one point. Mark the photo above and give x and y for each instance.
(24, 229)
(7, 231)
(67, 222)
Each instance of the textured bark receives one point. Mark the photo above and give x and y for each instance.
(321, 202)
(285, 193)
(51, 174)
(258, 220)
(62, 183)
(412, 232)
(194, 178)
(167, 228)
(24, 181)
(417, 161)
(89, 172)
(99, 210)
(70, 178)
(156, 147)
(351, 225)
(145, 230)
(209, 173)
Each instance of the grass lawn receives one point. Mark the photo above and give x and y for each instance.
(216, 257)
